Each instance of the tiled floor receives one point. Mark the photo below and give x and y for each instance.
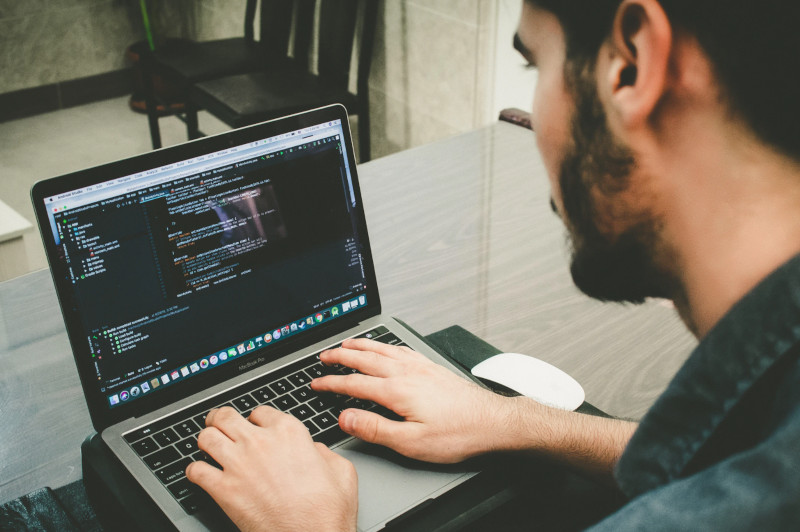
(56, 143)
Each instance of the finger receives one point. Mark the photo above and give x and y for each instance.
(355, 385)
(229, 422)
(374, 428)
(264, 415)
(215, 443)
(205, 475)
(368, 362)
(365, 344)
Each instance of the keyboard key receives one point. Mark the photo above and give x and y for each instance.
(321, 403)
(202, 456)
(173, 472)
(389, 338)
(244, 403)
(166, 437)
(201, 420)
(182, 488)
(161, 458)
(145, 446)
(264, 394)
(281, 386)
(302, 412)
(299, 378)
(313, 429)
(187, 428)
(374, 333)
(331, 436)
(325, 420)
(284, 402)
(317, 370)
(197, 500)
(187, 446)
(303, 394)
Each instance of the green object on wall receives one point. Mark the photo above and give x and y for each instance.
(146, 20)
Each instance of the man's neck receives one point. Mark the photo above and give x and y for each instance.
(736, 218)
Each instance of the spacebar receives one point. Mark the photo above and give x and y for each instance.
(331, 436)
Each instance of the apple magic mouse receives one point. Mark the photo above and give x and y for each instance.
(532, 378)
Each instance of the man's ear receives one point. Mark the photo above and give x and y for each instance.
(637, 62)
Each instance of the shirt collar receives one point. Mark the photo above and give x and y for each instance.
(738, 350)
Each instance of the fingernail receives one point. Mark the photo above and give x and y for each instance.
(347, 421)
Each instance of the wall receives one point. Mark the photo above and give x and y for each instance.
(44, 42)
(440, 67)
(431, 71)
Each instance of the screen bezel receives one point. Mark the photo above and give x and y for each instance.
(101, 413)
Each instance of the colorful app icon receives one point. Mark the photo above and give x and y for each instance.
(213, 359)
(232, 352)
(204, 363)
(240, 348)
(184, 371)
(318, 317)
(285, 330)
(326, 314)
(301, 325)
(154, 383)
(145, 387)
(293, 327)
(276, 334)
(123, 395)
(250, 345)
(194, 367)
(175, 375)
(268, 337)
(362, 300)
(134, 391)
(354, 303)
(310, 320)
(335, 311)
(114, 399)
(223, 357)
(165, 378)
(345, 306)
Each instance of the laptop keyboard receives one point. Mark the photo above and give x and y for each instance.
(168, 445)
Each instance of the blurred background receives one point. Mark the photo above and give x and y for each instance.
(438, 68)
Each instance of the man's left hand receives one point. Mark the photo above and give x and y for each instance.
(274, 477)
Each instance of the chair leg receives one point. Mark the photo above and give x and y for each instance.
(192, 128)
(363, 133)
(152, 109)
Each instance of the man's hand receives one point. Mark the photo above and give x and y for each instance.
(447, 418)
(274, 477)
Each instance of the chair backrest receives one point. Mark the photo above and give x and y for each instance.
(337, 25)
(276, 26)
(249, 19)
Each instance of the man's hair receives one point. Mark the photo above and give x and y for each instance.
(754, 46)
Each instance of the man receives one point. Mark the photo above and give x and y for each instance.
(669, 130)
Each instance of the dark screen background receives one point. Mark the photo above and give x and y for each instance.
(175, 275)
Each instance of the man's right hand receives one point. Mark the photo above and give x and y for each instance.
(448, 418)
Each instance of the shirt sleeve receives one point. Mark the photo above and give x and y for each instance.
(757, 489)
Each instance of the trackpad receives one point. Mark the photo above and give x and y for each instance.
(389, 484)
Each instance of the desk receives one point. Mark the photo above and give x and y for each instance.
(462, 233)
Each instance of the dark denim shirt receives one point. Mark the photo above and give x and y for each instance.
(720, 449)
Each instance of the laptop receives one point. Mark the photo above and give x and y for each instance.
(213, 273)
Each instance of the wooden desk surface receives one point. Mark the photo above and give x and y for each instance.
(462, 233)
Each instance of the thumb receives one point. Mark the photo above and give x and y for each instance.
(372, 427)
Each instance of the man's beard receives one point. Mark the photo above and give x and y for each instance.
(622, 267)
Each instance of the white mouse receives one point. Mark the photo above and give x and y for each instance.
(532, 378)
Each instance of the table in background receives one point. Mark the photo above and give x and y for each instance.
(462, 233)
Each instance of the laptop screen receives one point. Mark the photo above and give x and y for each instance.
(177, 271)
